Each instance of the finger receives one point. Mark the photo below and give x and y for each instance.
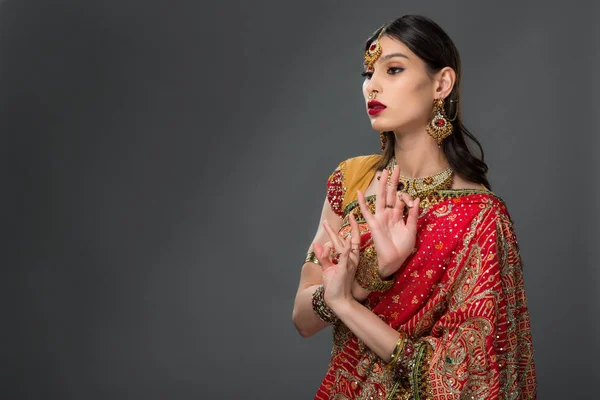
(413, 215)
(354, 231)
(408, 199)
(354, 239)
(380, 194)
(364, 209)
(323, 253)
(342, 259)
(398, 211)
(327, 249)
(347, 246)
(333, 236)
(327, 253)
(392, 187)
(320, 253)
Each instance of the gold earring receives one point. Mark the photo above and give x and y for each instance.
(383, 140)
(439, 128)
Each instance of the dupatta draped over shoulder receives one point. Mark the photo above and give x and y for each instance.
(459, 297)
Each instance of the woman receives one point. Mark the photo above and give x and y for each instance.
(416, 264)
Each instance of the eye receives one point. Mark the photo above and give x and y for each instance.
(394, 70)
(366, 74)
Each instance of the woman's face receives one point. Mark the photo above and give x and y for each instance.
(399, 80)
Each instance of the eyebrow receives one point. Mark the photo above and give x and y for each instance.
(387, 57)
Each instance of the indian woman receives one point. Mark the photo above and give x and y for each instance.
(415, 263)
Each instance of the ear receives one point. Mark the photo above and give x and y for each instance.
(444, 82)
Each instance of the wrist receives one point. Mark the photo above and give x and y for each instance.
(387, 270)
(358, 292)
(384, 272)
(343, 307)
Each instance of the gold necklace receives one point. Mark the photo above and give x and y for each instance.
(421, 187)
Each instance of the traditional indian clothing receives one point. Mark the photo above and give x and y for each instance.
(459, 297)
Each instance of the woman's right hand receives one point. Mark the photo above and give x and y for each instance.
(338, 278)
(393, 238)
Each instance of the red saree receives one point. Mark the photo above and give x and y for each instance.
(460, 298)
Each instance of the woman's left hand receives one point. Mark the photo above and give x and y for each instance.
(339, 278)
(394, 238)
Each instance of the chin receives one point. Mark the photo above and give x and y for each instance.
(381, 126)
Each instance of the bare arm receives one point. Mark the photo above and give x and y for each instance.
(305, 319)
(368, 327)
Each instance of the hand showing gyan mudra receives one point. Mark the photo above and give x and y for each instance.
(338, 278)
(394, 239)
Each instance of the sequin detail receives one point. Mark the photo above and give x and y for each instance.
(460, 298)
(336, 188)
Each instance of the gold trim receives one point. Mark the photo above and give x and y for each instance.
(441, 194)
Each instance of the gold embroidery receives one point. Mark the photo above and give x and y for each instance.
(433, 199)
(455, 361)
(443, 210)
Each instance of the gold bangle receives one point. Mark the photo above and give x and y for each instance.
(397, 351)
(320, 307)
(311, 257)
(367, 273)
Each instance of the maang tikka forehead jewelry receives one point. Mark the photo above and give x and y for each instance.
(373, 52)
(371, 55)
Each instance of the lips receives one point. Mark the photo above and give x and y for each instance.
(375, 107)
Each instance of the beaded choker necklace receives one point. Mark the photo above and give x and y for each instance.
(421, 187)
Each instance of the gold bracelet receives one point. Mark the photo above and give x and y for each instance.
(311, 257)
(397, 351)
(367, 273)
(320, 307)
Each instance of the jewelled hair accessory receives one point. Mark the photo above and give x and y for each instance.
(373, 52)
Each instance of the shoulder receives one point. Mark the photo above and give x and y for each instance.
(493, 213)
(349, 174)
(488, 201)
(478, 193)
(481, 207)
(367, 161)
(461, 183)
(350, 166)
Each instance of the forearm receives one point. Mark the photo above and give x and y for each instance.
(306, 321)
(368, 327)
(358, 292)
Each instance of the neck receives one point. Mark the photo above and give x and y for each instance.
(418, 155)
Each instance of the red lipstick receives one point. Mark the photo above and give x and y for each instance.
(375, 107)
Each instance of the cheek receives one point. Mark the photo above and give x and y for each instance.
(413, 98)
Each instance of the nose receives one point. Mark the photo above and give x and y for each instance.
(373, 87)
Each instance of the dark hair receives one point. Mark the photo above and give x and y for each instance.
(429, 42)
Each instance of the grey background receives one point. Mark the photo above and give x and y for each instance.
(167, 165)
